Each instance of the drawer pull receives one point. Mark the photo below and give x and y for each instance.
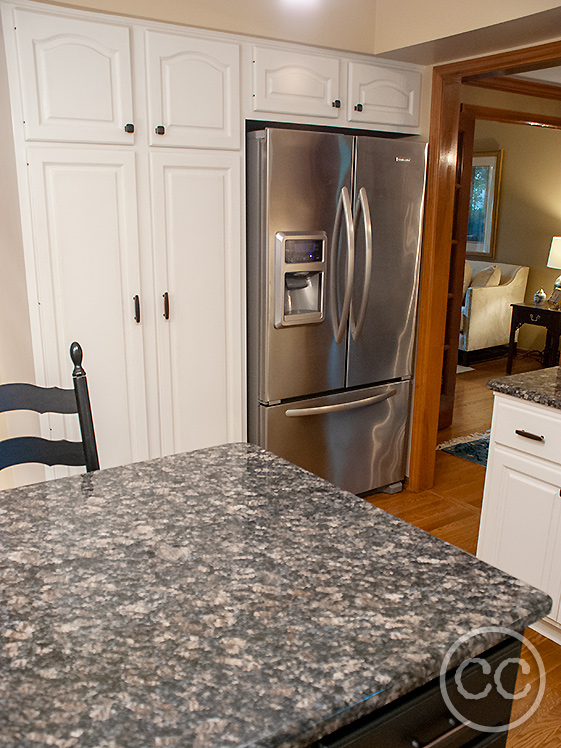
(529, 435)
(456, 727)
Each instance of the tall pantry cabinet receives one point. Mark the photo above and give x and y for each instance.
(129, 148)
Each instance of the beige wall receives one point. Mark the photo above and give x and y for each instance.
(403, 23)
(371, 26)
(16, 361)
(530, 197)
(347, 25)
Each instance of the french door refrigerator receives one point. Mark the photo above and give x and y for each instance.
(334, 229)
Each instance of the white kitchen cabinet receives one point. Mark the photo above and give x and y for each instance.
(85, 235)
(290, 82)
(115, 218)
(520, 528)
(380, 94)
(197, 250)
(193, 91)
(76, 83)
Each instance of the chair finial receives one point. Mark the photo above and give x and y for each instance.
(76, 355)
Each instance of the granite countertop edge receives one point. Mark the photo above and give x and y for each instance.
(542, 386)
(285, 610)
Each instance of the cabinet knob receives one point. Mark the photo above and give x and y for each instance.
(160, 130)
(336, 104)
(358, 108)
(129, 127)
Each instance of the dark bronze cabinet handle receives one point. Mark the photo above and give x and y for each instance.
(529, 435)
(358, 108)
(129, 127)
(136, 300)
(336, 104)
(166, 305)
(160, 130)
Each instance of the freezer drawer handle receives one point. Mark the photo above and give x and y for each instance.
(343, 206)
(323, 409)
(363, 207)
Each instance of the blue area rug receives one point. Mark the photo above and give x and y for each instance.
(474, 450)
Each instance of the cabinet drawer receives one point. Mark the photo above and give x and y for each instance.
(422, 718)
(532, 429)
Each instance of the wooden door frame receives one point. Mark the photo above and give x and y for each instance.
(443, 142)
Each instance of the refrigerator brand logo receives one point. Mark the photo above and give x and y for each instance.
(404, 160)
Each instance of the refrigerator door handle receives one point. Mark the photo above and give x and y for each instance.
(337, 407)
(362, 207)
(343, 206)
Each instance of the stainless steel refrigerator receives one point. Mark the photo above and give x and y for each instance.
(334, 227)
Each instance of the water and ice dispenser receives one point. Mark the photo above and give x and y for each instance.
(299, 277)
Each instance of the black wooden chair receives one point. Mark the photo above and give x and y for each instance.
(25, 449)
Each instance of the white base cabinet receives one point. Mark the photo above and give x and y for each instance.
(196, 238)
(85, 236)
(520, 528)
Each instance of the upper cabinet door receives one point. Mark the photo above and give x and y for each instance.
(383, 95)
(295, 83)
(193, 91)
(75, 78)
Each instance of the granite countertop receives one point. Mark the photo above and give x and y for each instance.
(542, 386)
(223, 598)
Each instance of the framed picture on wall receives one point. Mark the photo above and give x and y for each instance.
(483, 204)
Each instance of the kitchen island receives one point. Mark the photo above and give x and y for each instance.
(521, 514)
(224, 597)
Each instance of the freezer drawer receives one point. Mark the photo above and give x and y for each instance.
(355, 439)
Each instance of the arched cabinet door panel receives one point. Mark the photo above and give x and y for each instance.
(295, 83)
(379, 94)
(193, 91)
(75, 79)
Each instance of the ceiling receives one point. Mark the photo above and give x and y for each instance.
(552, 76)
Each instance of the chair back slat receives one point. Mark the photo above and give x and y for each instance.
(25, 449)
(39, 399)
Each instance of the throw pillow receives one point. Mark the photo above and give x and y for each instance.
(468, 275)
(490, 276)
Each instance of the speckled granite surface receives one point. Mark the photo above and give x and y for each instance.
(222, 598)
(542, 386)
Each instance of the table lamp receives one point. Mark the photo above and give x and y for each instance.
(554, 259)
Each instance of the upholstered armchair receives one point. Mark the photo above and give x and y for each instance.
(486, 310)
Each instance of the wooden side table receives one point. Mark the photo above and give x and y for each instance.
(525, 314)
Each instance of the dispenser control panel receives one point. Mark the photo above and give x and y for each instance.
(299, 277)
(298, 251)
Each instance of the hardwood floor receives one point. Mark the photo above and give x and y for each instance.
(451, 510)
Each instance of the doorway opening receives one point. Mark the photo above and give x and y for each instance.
(439, 225)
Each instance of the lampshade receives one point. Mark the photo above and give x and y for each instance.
(554, 259)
